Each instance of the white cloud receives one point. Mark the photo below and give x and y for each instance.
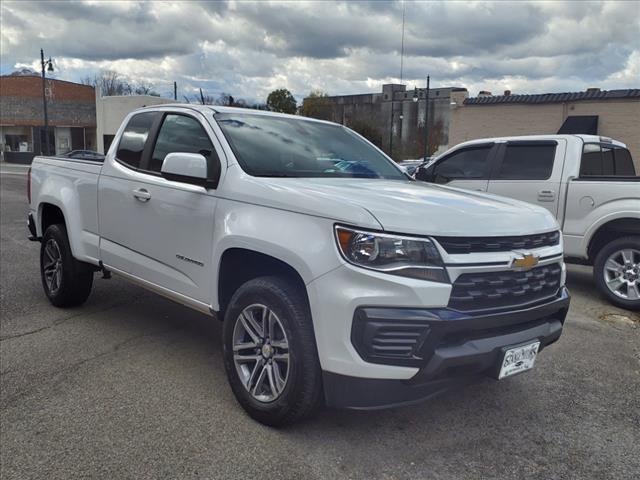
(250, 48)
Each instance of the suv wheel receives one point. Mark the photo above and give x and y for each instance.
(270, 351)
(617, 272)
(66, 281)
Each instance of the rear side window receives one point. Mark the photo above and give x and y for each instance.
(527, 162)
(468, 163)
(180, 133)
(606, 160)
(134, 138)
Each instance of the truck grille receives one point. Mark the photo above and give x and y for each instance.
(498, 244)
(495, 290)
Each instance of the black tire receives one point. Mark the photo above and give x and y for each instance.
(302, 392)
(74, 280)
(624, 243)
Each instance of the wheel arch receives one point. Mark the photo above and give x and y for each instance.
(49, 214)
(609, 231)
(239, 265)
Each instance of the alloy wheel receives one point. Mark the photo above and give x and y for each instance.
(261, 352)
(52, 266)
(622, 273)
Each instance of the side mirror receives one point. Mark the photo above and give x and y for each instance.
(426, 174)
(185, 167)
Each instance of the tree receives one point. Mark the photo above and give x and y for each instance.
(110, 83)
(282, 101)
(367, 130)
(317, 105)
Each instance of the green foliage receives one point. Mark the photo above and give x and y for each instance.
(281, 101)
(316, 105)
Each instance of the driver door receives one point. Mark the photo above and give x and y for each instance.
(467, 168)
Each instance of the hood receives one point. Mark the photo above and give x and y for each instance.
(399, 206)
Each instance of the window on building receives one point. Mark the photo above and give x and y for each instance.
(134, 138)
(527, 161)
(607, 160)
(471, 163)
(180, 133)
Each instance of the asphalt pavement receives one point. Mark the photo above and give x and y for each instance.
(131, 385)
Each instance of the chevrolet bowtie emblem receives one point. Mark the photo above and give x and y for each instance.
(525, 262)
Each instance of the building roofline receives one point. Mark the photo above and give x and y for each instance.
(540, 98)
(48, 78)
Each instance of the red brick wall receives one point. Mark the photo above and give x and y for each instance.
(68, 104)
(19, 86)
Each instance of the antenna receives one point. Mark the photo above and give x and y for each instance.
(402, 43)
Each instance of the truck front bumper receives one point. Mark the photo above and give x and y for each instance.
(449, 349)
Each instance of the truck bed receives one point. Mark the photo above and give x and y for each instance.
(70, 185)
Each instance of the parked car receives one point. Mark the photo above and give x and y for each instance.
(329, 287)
(588, 182)
(84, 155)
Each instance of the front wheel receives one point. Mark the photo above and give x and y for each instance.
(270, 351)
(617, 272)
(66, 281)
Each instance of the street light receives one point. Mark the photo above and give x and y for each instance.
(49, 65)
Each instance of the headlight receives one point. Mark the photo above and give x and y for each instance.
(393, 254)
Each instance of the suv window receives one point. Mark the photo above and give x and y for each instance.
(469, 163)
(134, 138)
(527, 161)
(181, 133)
(599, 160)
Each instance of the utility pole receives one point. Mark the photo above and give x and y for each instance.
(391, 129)
(49, 66)
(426, 122)
(175, 90)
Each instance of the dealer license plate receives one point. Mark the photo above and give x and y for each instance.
(518, 359)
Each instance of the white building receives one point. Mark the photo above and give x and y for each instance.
(111, 111)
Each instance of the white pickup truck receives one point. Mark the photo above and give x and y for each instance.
(338, 278)
(588, 182)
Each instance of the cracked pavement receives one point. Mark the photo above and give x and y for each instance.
(131, 385)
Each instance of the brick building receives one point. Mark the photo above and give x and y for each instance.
(71, 110)
(613, 113)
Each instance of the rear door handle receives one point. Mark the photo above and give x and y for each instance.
(546, 196)
(142, 194)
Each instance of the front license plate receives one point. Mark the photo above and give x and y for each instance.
(518, 359)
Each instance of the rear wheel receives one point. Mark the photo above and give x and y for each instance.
(270, 352)
(617, 272)
(66, 281)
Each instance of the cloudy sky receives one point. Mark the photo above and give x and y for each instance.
(250, 48)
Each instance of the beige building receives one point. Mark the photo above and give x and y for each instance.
(614, 113)
(111, 111)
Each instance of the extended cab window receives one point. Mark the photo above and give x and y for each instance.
(180, 133)
(134, 138)
(606, 160)
(469, 163)
(527, 161)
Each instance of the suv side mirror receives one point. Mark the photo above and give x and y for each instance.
(185, 167)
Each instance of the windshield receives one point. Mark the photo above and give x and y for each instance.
(268, 146)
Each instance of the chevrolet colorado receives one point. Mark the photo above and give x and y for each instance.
(588, 182)
(339, 280)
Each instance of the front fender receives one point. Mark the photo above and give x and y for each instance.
(303, 242)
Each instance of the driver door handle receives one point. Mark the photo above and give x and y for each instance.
(546, 196)
(142, 194)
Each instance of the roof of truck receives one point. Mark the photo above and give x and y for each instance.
(223, 109)
(583, 137)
